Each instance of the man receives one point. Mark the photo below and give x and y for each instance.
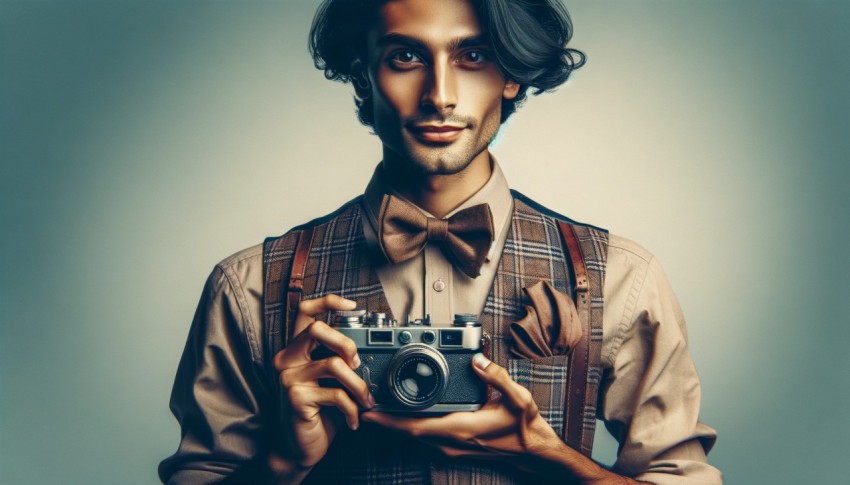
(438, 233)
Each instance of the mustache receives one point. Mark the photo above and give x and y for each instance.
(453, 119)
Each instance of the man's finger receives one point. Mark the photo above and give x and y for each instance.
(306, 401)
(316, 334)
(331, 367)
(497, 376)
(308, 309)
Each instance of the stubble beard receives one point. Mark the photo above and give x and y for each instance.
(446, 159)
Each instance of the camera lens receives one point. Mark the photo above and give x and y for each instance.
(418, 376)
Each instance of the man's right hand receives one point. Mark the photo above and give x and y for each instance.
(311, 428)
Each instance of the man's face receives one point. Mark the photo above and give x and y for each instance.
(435, 86)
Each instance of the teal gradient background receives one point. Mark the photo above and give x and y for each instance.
(143, 141)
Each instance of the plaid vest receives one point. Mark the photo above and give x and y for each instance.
(339, 262)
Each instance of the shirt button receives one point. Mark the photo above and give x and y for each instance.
(439, 285)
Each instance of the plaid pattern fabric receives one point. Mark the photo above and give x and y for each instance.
(546, 378)
(277, 265)
(339, 262)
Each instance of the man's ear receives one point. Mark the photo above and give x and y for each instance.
(360, 80)
(511, 90)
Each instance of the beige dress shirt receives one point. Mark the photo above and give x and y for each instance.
(650, 389)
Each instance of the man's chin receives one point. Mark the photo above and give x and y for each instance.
(420, 158)
(443, 164)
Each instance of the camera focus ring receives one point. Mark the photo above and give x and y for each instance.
(418, 376)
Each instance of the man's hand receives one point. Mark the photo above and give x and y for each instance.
(508, 428)
(312, 428)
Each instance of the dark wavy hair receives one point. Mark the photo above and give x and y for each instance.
(528, 39)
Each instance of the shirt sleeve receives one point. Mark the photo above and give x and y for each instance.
(219, 395)
(651, 391)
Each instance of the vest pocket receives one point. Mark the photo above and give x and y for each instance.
(546, 378)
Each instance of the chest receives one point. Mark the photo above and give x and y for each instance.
(336, 260)
(341, 262)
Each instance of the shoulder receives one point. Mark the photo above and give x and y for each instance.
(248, 256)
(636, 288)
(629, 267)
(629, 261)
(239, 278)
(627, 271)
(624, 251)
(243, 270)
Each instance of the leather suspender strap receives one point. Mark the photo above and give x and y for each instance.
(295, 290)
(576, 432)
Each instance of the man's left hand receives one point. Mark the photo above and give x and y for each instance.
(507, 427)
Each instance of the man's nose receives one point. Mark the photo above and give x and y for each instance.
(440, 91)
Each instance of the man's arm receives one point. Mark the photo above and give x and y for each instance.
(651, 392)
(218, 397)
(508, 428)
(221, 393)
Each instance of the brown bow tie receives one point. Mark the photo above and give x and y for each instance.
(403, 231)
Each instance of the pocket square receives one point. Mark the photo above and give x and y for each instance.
(550, 327)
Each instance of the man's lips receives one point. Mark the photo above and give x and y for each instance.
(437, 133)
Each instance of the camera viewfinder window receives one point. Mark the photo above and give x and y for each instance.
(380, 337)
(451, 338)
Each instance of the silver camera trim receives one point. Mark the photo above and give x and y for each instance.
(400, 341)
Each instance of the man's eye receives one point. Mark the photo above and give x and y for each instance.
(473, 57)
(404, 58)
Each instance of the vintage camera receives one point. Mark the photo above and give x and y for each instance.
(417, 367)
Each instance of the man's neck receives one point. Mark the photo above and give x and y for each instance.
(441, 194)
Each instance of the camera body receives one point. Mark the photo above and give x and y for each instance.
(417, 367)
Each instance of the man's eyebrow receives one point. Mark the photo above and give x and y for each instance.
(456, 43)
(467, 42)
(398, 39)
